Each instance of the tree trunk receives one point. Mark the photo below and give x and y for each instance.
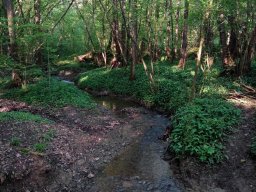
(116, 49)
(11, 32)
(37, 19)
(183, 51)
(134, 39)
(170, 53)
(223, 41)
(177, 33)
(248, 55)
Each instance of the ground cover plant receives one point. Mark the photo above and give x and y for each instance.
(199, 125)
(51, 92)
(19, 116)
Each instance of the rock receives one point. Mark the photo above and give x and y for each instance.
(91, 175)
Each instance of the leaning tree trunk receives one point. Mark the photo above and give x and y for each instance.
(183, 50)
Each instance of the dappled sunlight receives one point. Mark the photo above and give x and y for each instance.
(66, 62)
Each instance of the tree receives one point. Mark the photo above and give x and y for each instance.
(183, 50)
(8, 5)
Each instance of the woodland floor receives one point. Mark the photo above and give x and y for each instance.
(85, 141)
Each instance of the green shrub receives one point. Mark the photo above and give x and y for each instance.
(21, 117)
(52, 93)
(199, 128)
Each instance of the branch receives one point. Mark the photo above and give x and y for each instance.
(71, 3)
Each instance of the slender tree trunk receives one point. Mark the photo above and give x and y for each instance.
(124, 32)
(198, 62)
(170, 53)
(37, 19)
(177, 33)
(115, 32)
(223, 41)
(11, 32)
(134, 39)
(183, 51)
(248, 54)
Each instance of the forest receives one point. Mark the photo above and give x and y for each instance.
(127, 95)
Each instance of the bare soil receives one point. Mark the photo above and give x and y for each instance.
(84, 141)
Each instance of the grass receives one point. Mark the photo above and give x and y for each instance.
(51, 93)
(40, 147)
(44, 141)
(18, 116)
(15, 141)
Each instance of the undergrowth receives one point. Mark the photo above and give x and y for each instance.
(19, 116)
(51, 93)
(200, 127)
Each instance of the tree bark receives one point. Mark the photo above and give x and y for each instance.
(134, 39)
(223, 41)
(11, 32)
(37, 19)
(183, 51)
(116, 49)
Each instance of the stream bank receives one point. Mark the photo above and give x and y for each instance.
(117, 143)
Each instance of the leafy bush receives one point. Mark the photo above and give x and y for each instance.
(199, 128)
(52, 93)
(21, 117)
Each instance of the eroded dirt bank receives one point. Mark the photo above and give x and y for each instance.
(80, 155)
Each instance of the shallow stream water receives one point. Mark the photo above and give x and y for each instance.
(139, 167)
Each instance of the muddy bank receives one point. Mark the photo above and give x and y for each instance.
(82, 149)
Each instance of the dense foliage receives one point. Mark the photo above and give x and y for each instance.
(52, 93)
(200, 127)
(19, 116)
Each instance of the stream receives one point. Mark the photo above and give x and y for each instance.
(139, 167)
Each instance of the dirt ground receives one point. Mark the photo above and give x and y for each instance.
(84, 141)
(237, 173)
